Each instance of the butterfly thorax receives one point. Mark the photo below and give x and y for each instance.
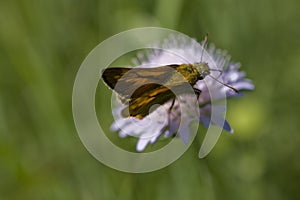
(190, 72)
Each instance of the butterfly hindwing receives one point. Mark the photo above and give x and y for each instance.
(140, 106)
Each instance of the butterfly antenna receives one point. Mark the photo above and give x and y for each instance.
(218, 70)
(204, 46)
(232, 88)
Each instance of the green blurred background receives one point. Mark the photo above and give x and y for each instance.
(42, 44)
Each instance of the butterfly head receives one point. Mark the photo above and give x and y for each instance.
(203, 70)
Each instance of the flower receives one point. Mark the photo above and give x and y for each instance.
(177, 49)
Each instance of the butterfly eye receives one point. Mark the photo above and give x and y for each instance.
(200, 77)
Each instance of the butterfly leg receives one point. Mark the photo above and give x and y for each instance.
(197, 92)
(169, 114)
(170, 109)
(172, 105)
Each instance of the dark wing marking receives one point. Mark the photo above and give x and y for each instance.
(112, 75)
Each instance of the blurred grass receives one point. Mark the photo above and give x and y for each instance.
(42, 44)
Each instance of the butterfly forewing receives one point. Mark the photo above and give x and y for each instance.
(125, 81)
